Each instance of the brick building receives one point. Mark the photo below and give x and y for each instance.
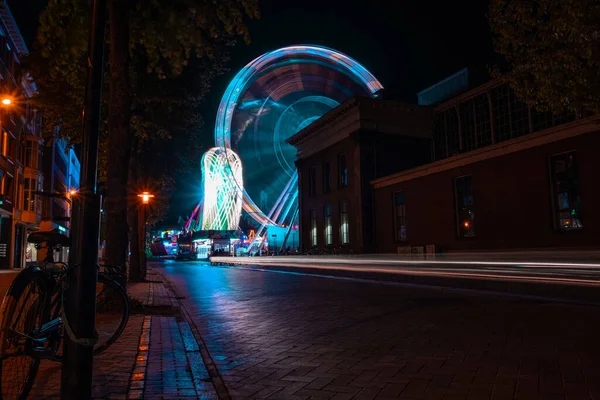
(340, 154)
(504, 176)
(20, 173)
(468, 168)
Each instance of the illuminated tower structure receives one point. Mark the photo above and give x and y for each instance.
(223, 185)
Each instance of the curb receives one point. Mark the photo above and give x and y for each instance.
(189, 331)
(137, 379)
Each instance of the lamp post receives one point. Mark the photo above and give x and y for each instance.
(80, 297)
(145, 196)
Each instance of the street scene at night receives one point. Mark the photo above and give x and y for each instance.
(250, 199)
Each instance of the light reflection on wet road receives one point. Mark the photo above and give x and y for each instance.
(293, 336)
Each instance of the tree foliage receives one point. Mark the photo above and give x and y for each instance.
(552, 48)
(151, 104)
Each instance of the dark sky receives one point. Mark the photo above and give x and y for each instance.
(408, 45)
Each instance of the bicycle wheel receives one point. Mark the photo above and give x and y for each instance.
(24, 309)
(112, 312)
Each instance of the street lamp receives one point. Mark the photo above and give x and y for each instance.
(6, 101)
(145, 196)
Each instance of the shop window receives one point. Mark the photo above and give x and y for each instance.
(313, 226)
(326, 177)
(328, 228)
(399, 217)
(344, 229)
(312, 181)
(464, 206)
(342, 171)
(565, 185)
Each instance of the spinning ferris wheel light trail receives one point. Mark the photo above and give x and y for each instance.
(270, 99)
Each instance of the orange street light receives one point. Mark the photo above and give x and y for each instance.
(145, 197)
(73, 192)
(6, 101)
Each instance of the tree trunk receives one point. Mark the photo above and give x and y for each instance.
(119, 134)
(136, 271)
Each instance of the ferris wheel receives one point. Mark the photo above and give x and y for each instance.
(270, 99)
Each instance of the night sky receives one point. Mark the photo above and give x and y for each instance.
(407, 45)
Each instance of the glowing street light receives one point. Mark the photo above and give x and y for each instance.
(6, 101)
(145, 197)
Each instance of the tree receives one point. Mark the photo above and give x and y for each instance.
(161, 35)
(552, 48)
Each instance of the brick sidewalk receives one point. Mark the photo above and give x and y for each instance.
(153, 359)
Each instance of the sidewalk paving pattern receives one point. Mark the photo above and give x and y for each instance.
(148, 361)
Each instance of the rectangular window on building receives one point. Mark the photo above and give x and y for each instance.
(328, 228)
(30, 156)
(452, 133)
(326, 177)
(399, 217)
(26, 194)
(501, 111)
(5, 137)
(467, 121)
(342, 171)
(482, 119)
(565, 187)
(312, 181)
(464, 206)
(313, 226)
(8, 187)
(344, 229)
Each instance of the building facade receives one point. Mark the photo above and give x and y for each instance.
(466, 169)
(340, 154)
(20, 174)
(61, 177)
(504, 176)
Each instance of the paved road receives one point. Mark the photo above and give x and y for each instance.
(290, 336)
(570, 271)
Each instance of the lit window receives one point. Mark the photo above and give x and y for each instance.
(313, 226)
(399, 217)
(464, 206)
(5, 137)
(328, 228)
(565, 185)
(344, 230)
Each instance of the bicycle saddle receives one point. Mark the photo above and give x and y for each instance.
(52, 238)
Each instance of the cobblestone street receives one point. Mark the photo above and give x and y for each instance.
(290, 336)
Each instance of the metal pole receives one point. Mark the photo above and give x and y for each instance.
(80, 302)
(143, 255)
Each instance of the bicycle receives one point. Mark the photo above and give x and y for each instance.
(32, 322)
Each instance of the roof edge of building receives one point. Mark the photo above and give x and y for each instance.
(554, 134)
(13, 28)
